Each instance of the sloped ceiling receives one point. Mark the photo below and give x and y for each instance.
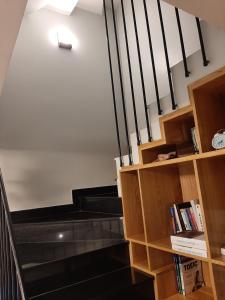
(94, 6)
(212, 11)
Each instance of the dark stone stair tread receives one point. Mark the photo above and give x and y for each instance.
(115, 285)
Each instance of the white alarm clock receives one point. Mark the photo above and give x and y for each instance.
(218, 141)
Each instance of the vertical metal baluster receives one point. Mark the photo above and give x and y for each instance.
(121, 83)
(186, 71)
(113, 86)
(3, 256)
(205, 61)
(152, 58)
(130, 75)
(7, 262)
(141, 72)
(1, 253)
(174, 105)
(8, 221)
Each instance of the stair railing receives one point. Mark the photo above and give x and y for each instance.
(109, 9)
(11, 280)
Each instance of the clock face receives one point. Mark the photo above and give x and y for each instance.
(218, 141)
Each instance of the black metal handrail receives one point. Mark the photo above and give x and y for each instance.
(11, 280)
(123, 28)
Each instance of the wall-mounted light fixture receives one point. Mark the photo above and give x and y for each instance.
(62, 37)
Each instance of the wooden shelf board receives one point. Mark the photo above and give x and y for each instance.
(220, 260)
(176, 114)
(130, 168)
(153, 144)
(141, 265)
(175, 161)
(165, 245)
(169, 162)
(204, 293)
(138, 238)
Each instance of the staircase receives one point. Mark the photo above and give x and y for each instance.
(210, 11)
(76, 251)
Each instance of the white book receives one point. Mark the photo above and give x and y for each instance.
(191, 272)
(199, 212)
(177, 218)
(191, 251)
(197, 242)
(185, 219)
(193, 205)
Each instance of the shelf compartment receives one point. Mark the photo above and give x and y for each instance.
(159, 259)
(139, 258)
(132, 206)
(150, 155)
(219, 275)
(212, 181)
(167, 284)
(178, 130)
(204, 293)
(161, 187)
(208, 97)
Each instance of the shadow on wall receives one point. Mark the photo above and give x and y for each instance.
(39, 179)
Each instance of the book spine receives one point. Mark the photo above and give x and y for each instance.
(179, 286)
(193, 205)
(189, 218)
(199, 212)
(177, 218)
(181, 275)
(193, 219)
(185, 219)
(192, 251)
(174, 225)
(194, 140)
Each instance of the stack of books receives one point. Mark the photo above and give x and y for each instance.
(188, 229)
(189, 275)
(190, 242)
(187, 216)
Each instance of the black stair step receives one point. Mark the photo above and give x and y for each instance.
(113, 285)
(50, 276)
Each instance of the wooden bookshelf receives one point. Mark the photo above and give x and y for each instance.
(152, 187)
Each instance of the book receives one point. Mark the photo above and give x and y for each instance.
(186, 220)
(194, 203)
(173, 220)
(190, 250)
(199, 212)
(194, 140)
(193, 219)
(178, 220)
(190, 239)
(192, 276)
(177, 268)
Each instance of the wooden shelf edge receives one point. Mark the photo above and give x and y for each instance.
(159, 246)
(138, 239)
(140, 267)
(220, 261)
(205, 292)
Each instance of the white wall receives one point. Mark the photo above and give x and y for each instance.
(11, 13)
(56, 116)
(214, 39)
(44, 178)
(173, 43)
